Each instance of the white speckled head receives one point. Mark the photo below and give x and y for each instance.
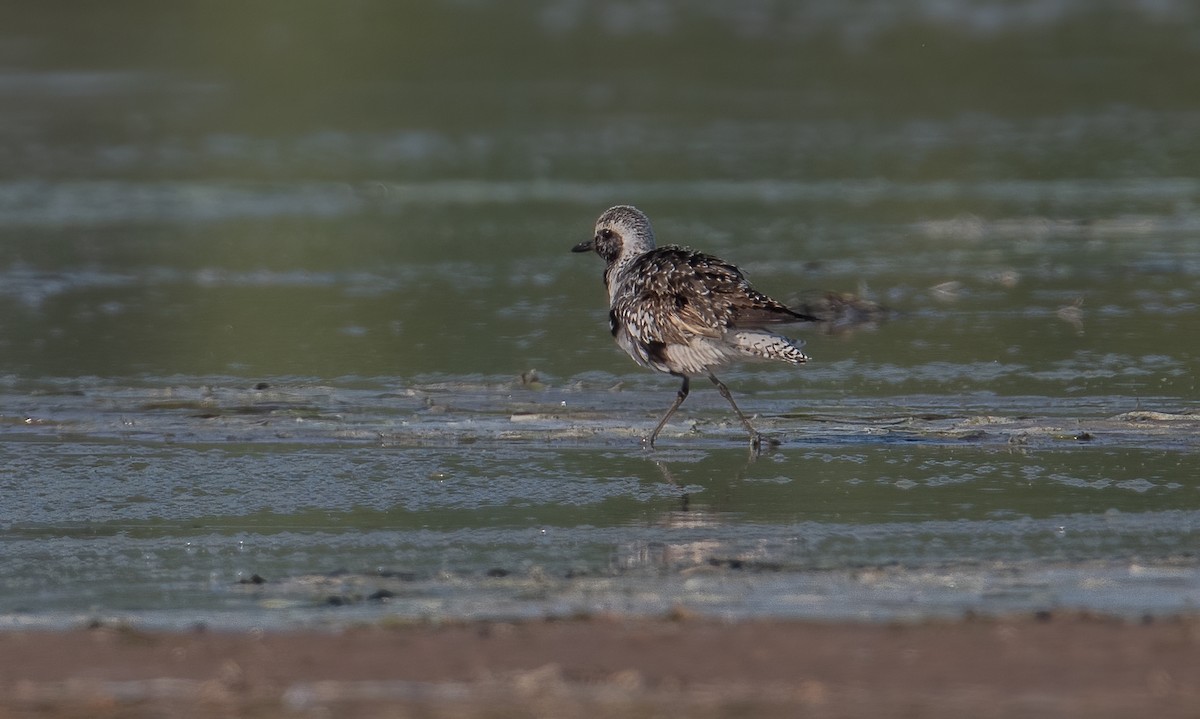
(622, 233)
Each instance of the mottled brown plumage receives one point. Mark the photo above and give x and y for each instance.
(684, 312)
(688, 293)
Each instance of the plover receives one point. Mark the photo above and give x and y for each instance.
(683, 312)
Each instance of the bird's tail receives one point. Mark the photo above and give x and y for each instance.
(768, 346)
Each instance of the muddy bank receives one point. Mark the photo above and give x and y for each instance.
(1040, 665)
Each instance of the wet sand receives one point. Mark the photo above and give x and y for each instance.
(1044, 665)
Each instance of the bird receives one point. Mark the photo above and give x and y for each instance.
(683, 312)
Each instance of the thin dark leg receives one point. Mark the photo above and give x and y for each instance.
(755, 437)
(679, 398)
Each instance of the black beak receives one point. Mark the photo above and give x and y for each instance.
(583, 247)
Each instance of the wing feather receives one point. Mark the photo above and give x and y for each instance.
(673, 294)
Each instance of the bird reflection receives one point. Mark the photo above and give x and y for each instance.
(1072, 314)
(715, 505)
(751, 457)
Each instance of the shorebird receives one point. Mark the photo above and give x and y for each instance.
(683, 312)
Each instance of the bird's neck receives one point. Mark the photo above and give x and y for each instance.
(612, 273)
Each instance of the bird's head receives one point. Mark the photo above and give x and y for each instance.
(623, 230)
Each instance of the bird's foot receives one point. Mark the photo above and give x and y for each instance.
(761, 443)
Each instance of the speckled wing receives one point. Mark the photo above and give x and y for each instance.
(672, 294)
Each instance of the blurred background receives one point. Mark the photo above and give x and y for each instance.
(374, 189)
(286, 293)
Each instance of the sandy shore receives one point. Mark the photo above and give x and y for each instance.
(608, 667)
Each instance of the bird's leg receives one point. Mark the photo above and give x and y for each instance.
(679, 398)
(756, 439)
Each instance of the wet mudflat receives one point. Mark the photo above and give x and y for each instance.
(275, 506)
(272, 358)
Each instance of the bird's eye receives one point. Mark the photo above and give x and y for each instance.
(606, 234)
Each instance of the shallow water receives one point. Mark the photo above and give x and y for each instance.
(334, 339)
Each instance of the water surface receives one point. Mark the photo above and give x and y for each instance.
(290, 332)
